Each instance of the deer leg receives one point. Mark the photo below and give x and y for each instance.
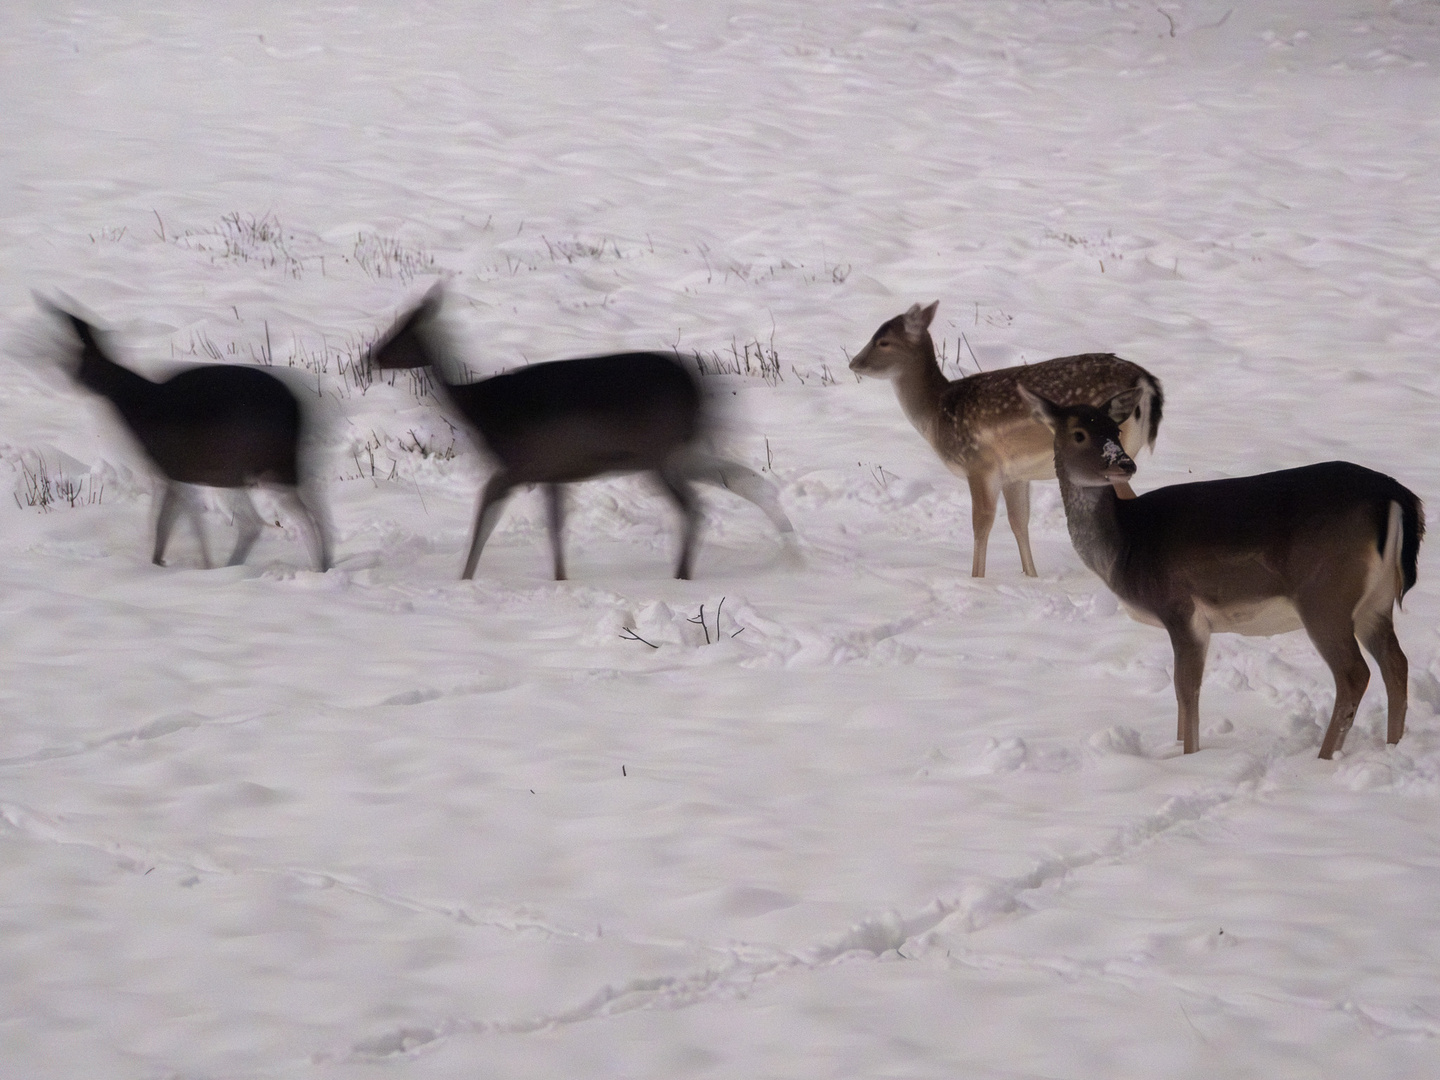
(983, 499)
(249, 522)
(679, 490)
(1380, 642)
(555, 518)
(165, 521)
(1017, 509)
(492, 501)
(178, 497)
(319, 521)
(1334, 639)
(190, 499)
(311, 523)
(1191, 642)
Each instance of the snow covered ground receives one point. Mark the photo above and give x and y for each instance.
(867, 817)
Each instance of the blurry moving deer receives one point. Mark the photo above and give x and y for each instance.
(984, 432)
(217, 425)
(1330, 548)
(567, 420)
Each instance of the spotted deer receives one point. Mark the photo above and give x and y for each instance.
(215, 425)
(1330, 548)
(984, 432)
(567, 420)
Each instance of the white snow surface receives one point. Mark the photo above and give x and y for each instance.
(873, 818)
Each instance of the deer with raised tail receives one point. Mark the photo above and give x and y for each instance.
(1330, 548)
(567, 420)
(981, 428)
(216, 425)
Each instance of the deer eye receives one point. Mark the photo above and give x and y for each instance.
(1079, 436)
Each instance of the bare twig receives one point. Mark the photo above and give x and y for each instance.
(700, 619)
(971, 352)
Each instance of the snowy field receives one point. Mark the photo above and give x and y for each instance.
(867, 817)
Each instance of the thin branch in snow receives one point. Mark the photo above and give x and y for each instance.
(630, 635)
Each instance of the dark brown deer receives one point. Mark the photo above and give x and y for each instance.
(1329, 547)
(217, 425)
(984, 432)
(567, 420)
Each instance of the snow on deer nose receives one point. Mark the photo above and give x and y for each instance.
(1118, 461)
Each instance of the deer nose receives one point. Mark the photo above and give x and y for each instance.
(1119, 465)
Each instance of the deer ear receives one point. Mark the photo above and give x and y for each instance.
(429, 305)
(917, 320)
(1043, 409)
(65, 311)
(424, 311)
(1123, 404)
(48, 306)
(405, 345)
